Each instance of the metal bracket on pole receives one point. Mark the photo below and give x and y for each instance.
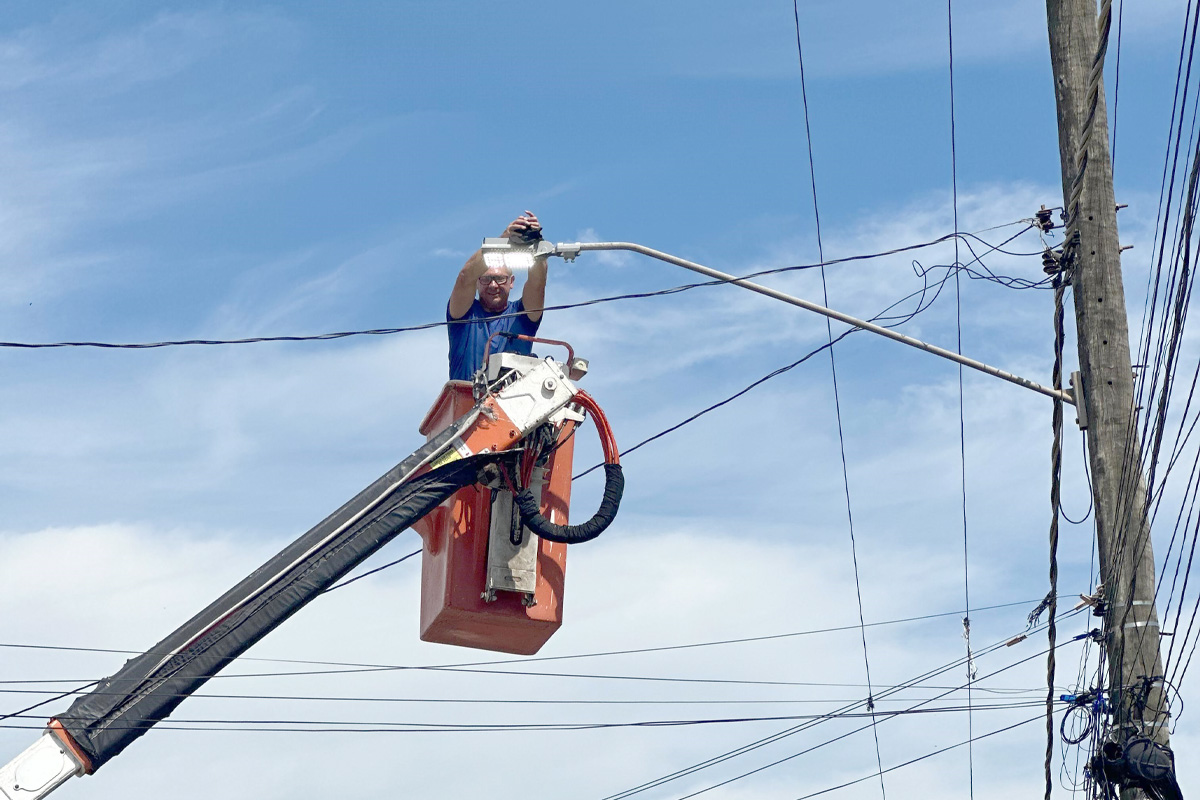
(573, 249)
(1080, 408)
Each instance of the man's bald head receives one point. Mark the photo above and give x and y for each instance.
(494, 286)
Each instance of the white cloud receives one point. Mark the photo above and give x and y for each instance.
(156, 49)
(168, 475)
(605, 258)
(73, 170)
(644, 587)
(733, 528)
(872, 39)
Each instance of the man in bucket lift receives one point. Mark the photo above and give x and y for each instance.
(473, 321)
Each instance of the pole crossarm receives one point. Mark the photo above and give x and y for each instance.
(569, 251)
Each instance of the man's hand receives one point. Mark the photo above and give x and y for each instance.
(525, 228)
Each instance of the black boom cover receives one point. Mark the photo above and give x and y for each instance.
(149, 687)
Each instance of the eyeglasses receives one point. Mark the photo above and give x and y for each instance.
(499, 280)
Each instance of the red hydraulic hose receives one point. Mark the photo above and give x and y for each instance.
(611, 454)
(614, 488)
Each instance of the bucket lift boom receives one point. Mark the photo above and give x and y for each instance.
(515, 398)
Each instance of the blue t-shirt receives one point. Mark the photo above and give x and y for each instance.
(469, 335)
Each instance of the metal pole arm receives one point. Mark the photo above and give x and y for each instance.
(570, 250)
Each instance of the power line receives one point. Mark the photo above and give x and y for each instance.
(891, 690)
(1001, 280)
(378, 726)
(48, 700)
(923, 304)
(532, 659)
(763, 742)
(837, 402)
(1117, 86)
(1027, 695)
(922, 758)
(655, 679)
(349, 581)
(769, 740)
(962, 426)
(1163, 337)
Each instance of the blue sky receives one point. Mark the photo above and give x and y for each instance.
(231, 170)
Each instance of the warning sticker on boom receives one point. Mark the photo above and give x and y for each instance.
(458, 449)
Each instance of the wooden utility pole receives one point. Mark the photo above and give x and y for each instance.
(1126, 557)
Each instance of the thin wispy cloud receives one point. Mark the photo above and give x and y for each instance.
(214, 172)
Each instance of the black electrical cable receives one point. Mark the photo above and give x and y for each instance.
(48, 700)
(770, 740)
(859, 780)
(526, 674)
(1117, 88)
(349, 581)
(921, 758)
(500, 662)
(1190, 507)
(773, 374)
(895, 322)
(986, 274)
(635, 678)
(378, 726)
(1166, 199)
(378, 332)
(1164, 339)
(763, 742)
(1091, 498)
(837, 402)
(1031, 696)
(1150, 378)
(1160, 382)
(962, 427)
(443, 727)
(440, 324)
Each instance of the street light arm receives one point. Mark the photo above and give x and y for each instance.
(570, 250)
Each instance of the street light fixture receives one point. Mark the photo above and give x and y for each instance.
(501, 252)
(501, 249)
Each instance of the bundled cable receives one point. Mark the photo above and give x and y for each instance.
(614, 487)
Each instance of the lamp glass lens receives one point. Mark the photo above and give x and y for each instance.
(518, 260)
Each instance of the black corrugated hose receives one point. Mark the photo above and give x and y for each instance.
(614, 486)
(531, 515)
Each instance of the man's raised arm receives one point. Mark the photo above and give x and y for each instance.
(533, 296)
(463, 294)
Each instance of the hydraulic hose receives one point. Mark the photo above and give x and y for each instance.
(614, 487)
